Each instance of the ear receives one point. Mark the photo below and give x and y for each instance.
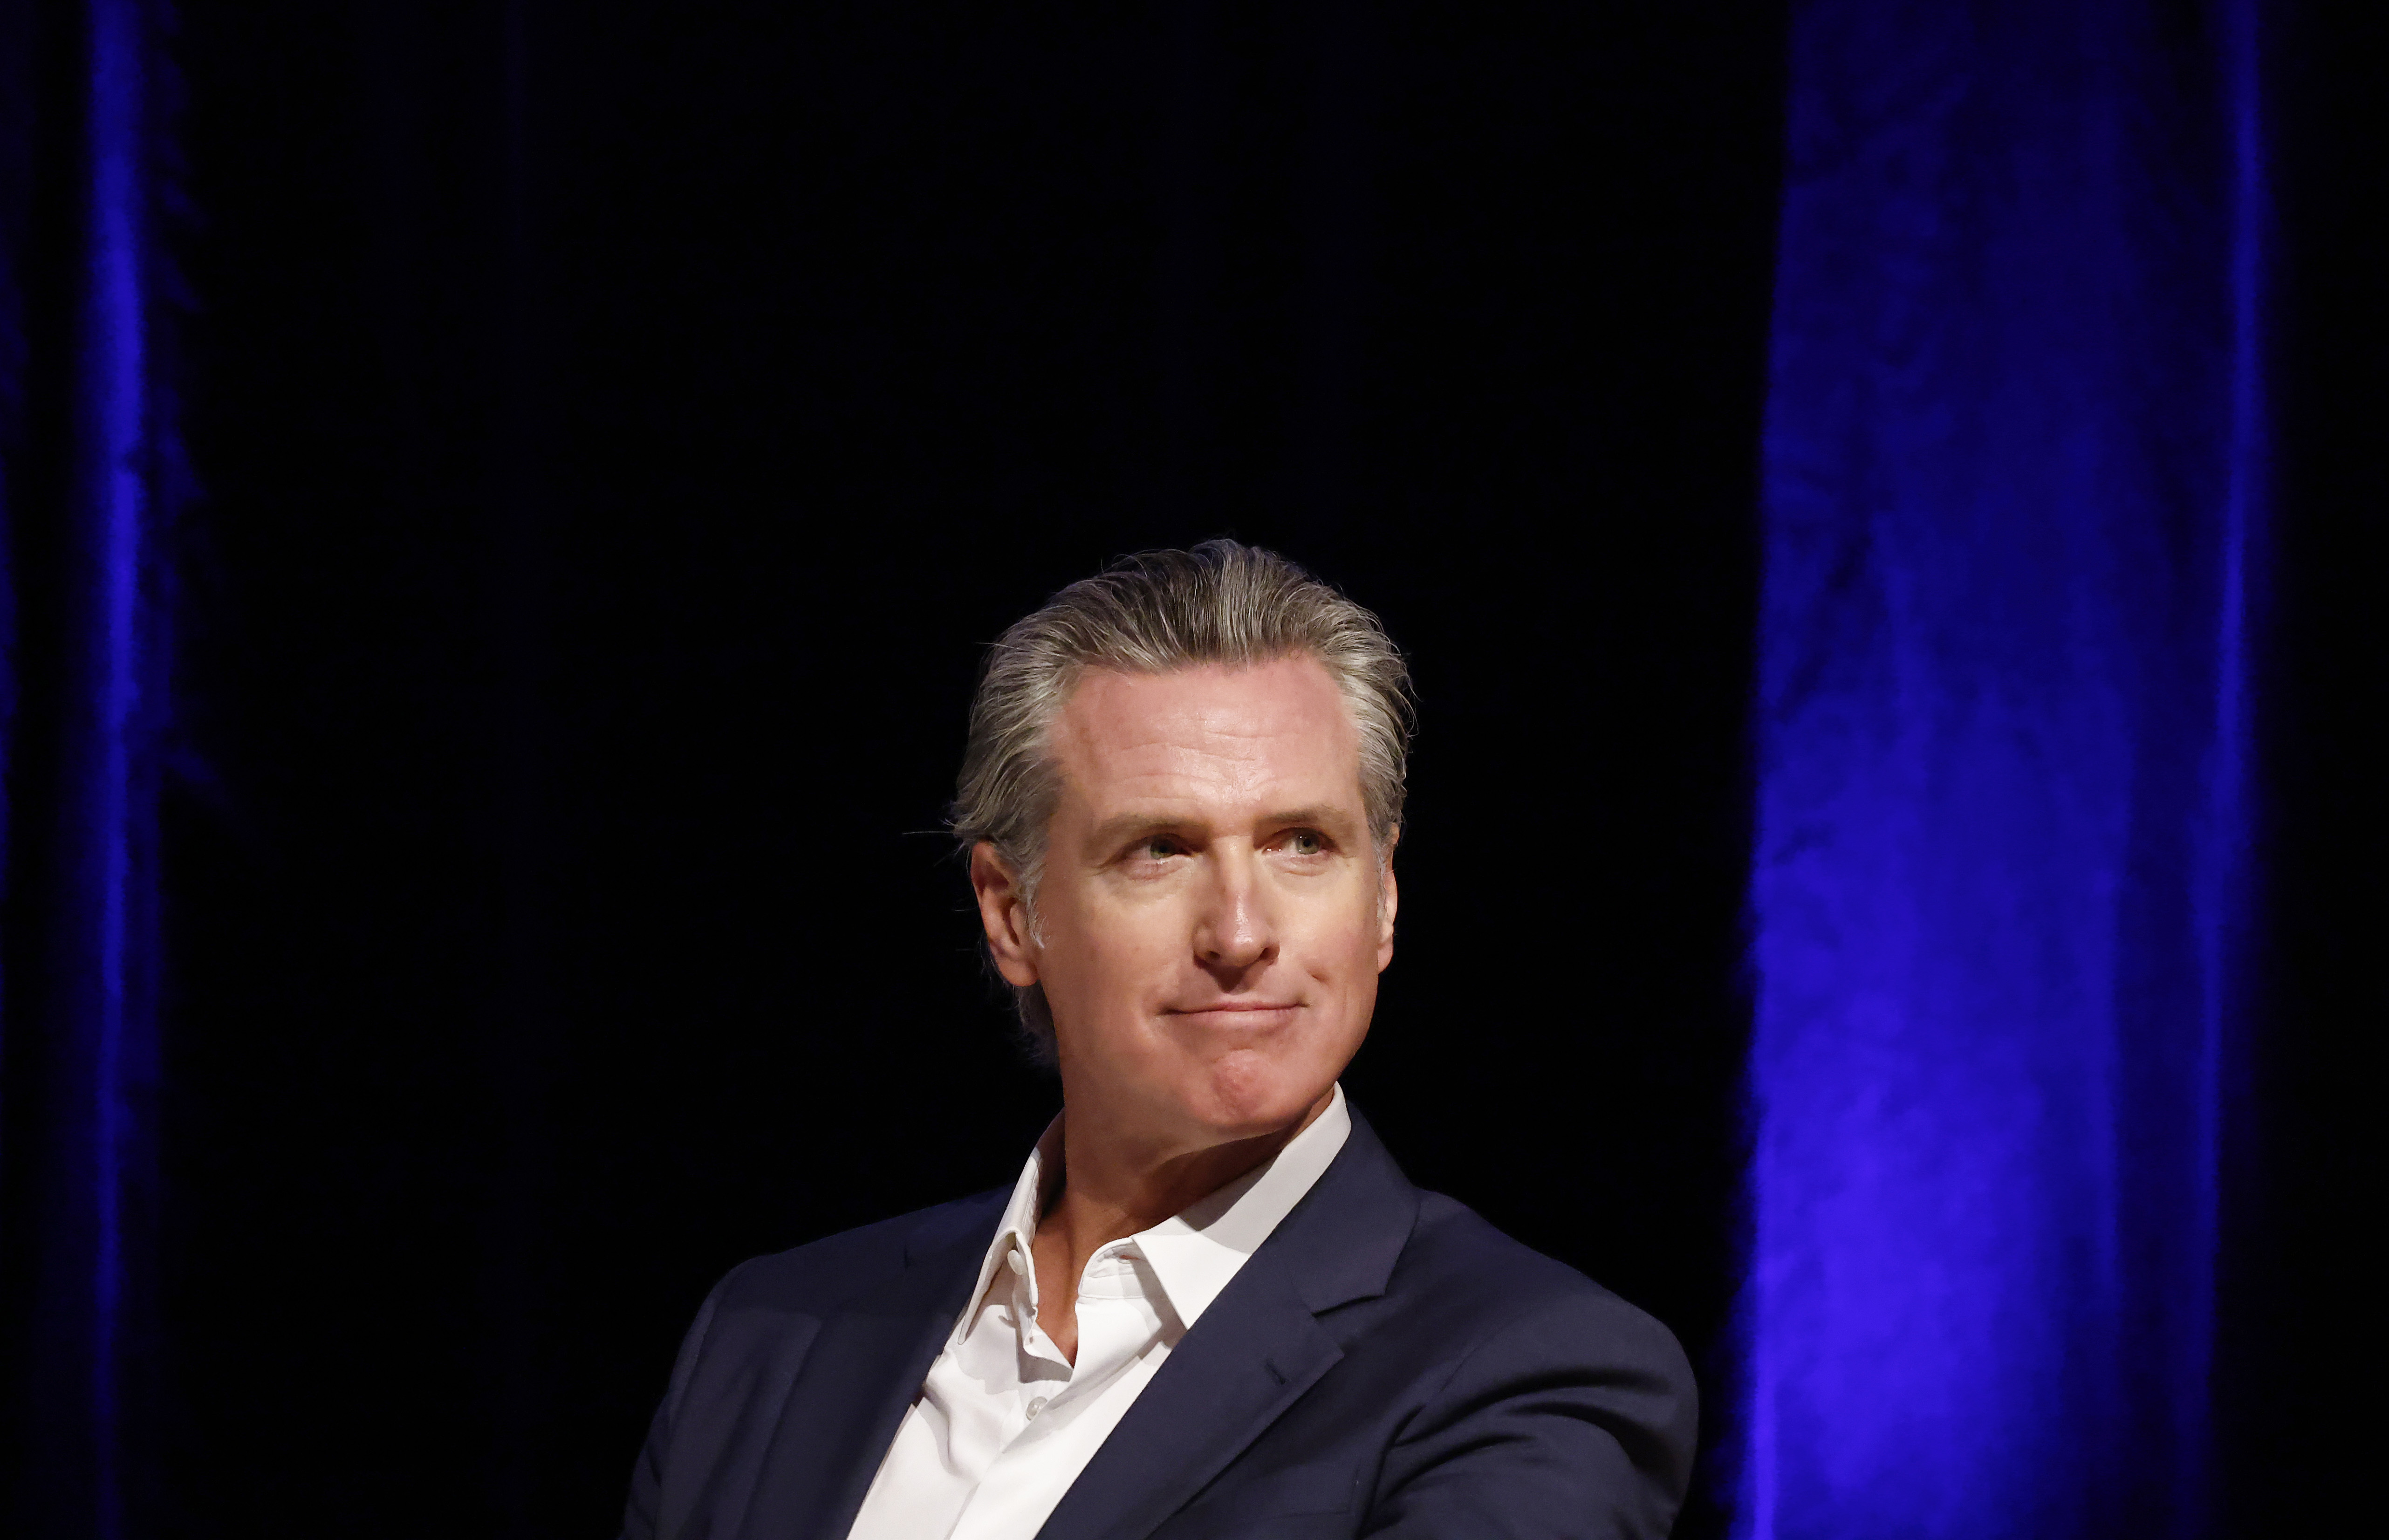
(1389, 901)
(1003, 914)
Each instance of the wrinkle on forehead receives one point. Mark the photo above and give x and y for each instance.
(1210, 733)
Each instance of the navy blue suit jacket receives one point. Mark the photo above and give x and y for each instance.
(1386, 1364)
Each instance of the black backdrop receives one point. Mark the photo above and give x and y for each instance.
(619, 427)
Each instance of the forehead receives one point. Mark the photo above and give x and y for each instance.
(1211, 734)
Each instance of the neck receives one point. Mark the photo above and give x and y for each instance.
(1114, 1187)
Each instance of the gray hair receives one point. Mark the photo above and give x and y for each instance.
(1148, 614)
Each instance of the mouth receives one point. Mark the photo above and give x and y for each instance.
(1239, 1015)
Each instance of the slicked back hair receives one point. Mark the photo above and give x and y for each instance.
(1153, 613)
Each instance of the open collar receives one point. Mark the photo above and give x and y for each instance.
(1256, 1352)
(1193, 1254)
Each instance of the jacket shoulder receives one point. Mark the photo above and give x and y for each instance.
(1505, 1317)
(1482, 1284)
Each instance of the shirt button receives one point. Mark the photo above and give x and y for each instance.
(1035, 1405)
(1012, 1260)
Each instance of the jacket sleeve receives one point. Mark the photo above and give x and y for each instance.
(641, 1515)
(1576, 1419)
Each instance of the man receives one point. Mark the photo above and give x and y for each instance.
(1211, 1305)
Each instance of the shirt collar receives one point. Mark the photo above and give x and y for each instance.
(1196, 1253)
(1193, 1254)
(1018, 1225)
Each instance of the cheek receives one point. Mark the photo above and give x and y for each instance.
(1342, 947)
(1114, 952)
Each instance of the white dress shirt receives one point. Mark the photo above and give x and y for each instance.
(1004, 1422)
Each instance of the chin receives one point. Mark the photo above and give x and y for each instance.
(1245, 1094)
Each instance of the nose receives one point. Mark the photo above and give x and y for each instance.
(1237, 931)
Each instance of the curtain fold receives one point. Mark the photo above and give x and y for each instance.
(88, 470)
(2010, 477)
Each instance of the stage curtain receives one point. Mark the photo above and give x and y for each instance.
(2013, 508)
(89, 474)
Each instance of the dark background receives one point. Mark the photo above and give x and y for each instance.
(2300, 1341)
(618, 428)
(614, 430)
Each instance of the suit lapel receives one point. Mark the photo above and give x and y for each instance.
(855, 1386)
(1252, 1355)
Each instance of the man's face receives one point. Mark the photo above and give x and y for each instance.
(1211, 918)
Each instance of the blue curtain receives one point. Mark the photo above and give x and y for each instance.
(87, 470)
(2011, 504)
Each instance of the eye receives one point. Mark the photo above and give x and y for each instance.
(1306, 842)
(1154, 848)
